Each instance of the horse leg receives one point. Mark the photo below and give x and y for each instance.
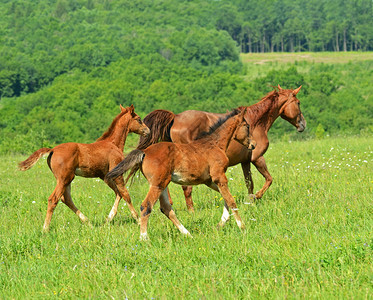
(52, 203)
(222, 184)
(261, 166)
(225, 216)
(166, 209)
(188, 197)
(66, 198)
(169, 197)
(246, 169)
(146, 208)
(121, 192)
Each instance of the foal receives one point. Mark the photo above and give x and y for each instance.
(203, 161)
(90, 160)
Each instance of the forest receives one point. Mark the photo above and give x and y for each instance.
(65, 66)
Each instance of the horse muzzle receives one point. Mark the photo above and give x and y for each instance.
(301, 125)
(251, 145)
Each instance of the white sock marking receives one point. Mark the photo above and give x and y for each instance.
(225, 216)
(183, 230)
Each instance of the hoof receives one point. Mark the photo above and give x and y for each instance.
(250, 199)
(144, 237)
(89, 224)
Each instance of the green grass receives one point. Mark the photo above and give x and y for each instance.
(259, 64)
(309, 237)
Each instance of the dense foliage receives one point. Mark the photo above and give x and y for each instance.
(65, 66)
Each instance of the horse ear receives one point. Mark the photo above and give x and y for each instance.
(296, 91)
(121, 107)
(279, 88)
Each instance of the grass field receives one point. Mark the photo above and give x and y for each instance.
(309, 237)
(258, 64)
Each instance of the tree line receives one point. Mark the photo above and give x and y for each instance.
(66, 65)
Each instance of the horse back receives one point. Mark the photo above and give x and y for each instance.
(189, 124)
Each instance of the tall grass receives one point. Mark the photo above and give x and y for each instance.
(309, 237)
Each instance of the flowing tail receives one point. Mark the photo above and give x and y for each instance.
(34, 157)
(131, 162)
(159, 122)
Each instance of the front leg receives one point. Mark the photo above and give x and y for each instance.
(188, 197)
(222, 184)
(261, 166)
(246, 169)
(225, 216)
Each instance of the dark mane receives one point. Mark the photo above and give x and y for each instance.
(112, 126)
(217, 124)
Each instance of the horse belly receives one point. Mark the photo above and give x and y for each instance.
(193, 178)
(88, 173)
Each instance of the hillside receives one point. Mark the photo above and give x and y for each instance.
(67, 65)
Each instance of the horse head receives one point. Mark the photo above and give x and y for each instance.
(135, 124)
(243, 134)
(290, 110)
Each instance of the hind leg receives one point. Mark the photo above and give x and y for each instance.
(70, 204)
(121, 192)
(52, 203)
(166, 209)
(146, 208)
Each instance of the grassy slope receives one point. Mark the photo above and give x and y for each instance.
(258, 64)
(309, 237)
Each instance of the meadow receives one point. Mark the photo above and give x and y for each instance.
(309, 237)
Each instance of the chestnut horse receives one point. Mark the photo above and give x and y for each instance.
(90, 160)
(202, 161)
(184, 127)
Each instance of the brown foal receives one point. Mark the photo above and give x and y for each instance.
(90, 160)
(203, 161)
(184, 127)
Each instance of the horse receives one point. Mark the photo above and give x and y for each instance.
(184, 127)
(202, 161)
(90, 160)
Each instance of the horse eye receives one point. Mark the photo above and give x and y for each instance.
(139, 120)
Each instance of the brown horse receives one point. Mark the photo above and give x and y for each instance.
(203, 161)
(90, 160)
(184, 127)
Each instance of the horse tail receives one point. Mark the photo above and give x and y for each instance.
(33, 158)
(159, 122)
(131, 162)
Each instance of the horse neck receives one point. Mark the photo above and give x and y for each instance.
(223, 135)
(264, 113)
(117, 134)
